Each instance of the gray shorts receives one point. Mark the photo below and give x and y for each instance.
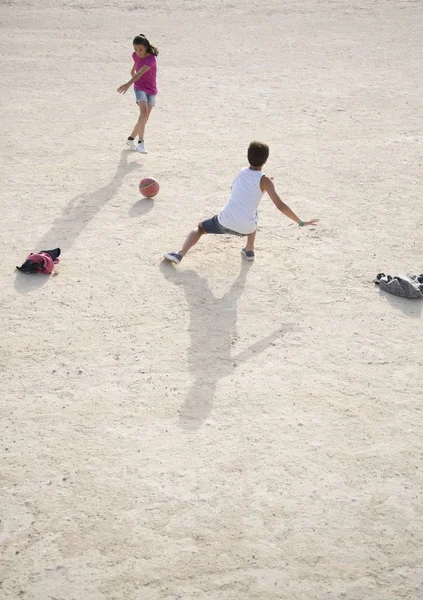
(213, 226)
(141, 96)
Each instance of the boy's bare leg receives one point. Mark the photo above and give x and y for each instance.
(191, 240)
(250, 242)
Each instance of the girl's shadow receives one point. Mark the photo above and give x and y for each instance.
(74, 218)
(213, 333)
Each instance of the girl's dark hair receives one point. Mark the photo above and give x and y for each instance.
(141, 40)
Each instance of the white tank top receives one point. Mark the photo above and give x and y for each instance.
(240, 211)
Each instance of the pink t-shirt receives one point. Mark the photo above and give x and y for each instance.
(147, 82)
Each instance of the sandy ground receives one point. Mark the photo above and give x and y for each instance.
(220, 430)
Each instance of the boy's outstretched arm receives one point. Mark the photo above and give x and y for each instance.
(268, 186)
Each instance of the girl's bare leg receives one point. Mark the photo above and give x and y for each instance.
(150, 108)
(135, 130)
(139, 128)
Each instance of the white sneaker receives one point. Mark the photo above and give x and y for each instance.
(141, 148)
(132, 145)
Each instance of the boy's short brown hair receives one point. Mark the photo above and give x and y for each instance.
(258, 153)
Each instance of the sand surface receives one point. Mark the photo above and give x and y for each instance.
(221, 431)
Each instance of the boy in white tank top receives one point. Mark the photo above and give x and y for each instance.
(239, 215)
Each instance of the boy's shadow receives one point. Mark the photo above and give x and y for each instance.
(73, 219)
(213, 333)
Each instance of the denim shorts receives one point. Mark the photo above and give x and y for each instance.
(213, 226)
(141, 96)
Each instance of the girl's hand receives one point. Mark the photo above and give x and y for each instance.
(124, 88)
(311, 222)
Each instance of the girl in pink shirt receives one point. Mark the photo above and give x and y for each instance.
(144, 79)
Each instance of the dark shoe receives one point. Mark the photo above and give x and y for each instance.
(249, 254)
(173, 257)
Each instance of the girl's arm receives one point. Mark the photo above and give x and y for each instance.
(124, 88)
(133, 70)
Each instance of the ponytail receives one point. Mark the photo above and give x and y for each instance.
(141, 40)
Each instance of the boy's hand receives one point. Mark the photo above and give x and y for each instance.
(311, 222)
(124, 88)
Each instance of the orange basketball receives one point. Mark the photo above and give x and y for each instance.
(149, 187)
